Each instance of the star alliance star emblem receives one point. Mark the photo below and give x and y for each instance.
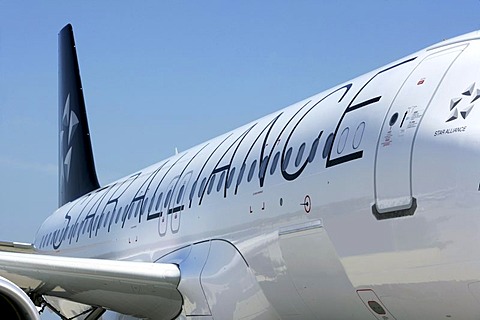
(69, 126)
(463, 105)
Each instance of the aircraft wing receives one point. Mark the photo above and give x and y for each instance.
(141, 289)
(16, 247)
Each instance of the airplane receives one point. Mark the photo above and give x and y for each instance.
(360, 202)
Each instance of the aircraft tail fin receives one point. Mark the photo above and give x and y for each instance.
(76, 168)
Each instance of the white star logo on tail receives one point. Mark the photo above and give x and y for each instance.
(70, 121)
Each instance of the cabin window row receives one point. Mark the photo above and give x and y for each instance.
(163, 200)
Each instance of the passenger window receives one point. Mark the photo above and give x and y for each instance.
(230, 177)
(125, 212)
(112, 219)
(274, 162)
(145, 204)
(240, 174)
(180, 193)
(167, 198)
(72, 231)
(263, 167)
(220, 181)
(100, 221)
(81, 228)
(139, 205)
(328, 145)
(357, 138)
(298, 160)
(210, 185)
(96, 221)
(192, 192)
(159, 200)
(343, 140)
(131, 209)
(151, 204)
(286, 160)
(106, 219)
(202, 187)
(118, 215)
(76, 230)
(313, 151)
(252, 170)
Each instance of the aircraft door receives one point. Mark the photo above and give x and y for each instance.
(177, 204)
(393, 186)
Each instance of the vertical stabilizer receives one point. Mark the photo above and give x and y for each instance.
(76, 167)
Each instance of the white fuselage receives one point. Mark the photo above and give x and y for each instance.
(365, 192)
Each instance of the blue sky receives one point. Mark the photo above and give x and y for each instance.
(160, 75)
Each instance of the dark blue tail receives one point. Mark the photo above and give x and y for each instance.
(76, 168)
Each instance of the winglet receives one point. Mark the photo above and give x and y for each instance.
(76, 168)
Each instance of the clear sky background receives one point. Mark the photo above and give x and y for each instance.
(160, 75)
